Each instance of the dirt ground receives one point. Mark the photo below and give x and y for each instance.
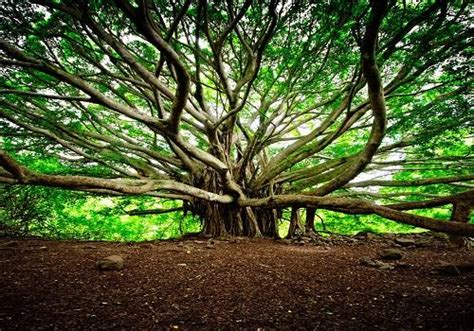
(233, 284)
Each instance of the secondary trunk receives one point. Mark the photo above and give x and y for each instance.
(461, 213)
(309, 225)
(296, 228)
(267, 220)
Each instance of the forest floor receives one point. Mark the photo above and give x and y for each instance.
(338, 283)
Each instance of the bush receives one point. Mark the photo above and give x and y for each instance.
(22, 209)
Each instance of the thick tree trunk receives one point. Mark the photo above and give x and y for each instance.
(251, 227)
(227, 220)
(221, 220)
(268, 222)
(296, 228)
(213, 220)
(309, 225)
(461, 213)
(310, 230)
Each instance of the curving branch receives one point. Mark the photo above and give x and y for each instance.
(359, 206)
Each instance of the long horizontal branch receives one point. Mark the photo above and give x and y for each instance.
(153, 211)
(416, 182)
(46, 95)
(359, 206)
(465, 197)
(21, 175)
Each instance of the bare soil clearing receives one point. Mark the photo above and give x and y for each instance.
(236, 284)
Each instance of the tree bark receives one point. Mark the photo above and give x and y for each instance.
(461, 213)
(309, 226)
(296, 228)
(213, 220)
(268, 222)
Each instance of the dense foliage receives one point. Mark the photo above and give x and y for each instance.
(59, 214)
(237, 112)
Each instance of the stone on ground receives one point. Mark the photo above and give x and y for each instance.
(391, 254)
(367, 261)
(112, 262)
(405, 242)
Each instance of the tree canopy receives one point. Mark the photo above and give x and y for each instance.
(241, 108)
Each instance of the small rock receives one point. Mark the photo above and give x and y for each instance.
(188, 248)
(391, 254)
(385, 266)
(405, 242)
(209, 246)
(370, 236)
(424, 243)
(367, 261)
(440, 236)
(366, 236)
(89, 247)
(112, 262)
(43, 248)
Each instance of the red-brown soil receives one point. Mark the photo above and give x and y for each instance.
(261, 284)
